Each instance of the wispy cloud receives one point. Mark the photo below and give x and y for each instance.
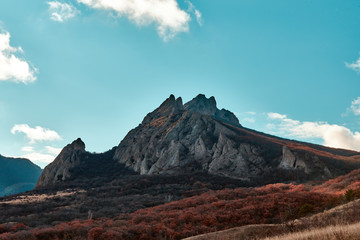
(355, 106)
(354, 66)
(251, 113)
(165, 14)
(61, 12)
(249, 120)
(196, 12)
(12, 67)
(36, 134)
(332, 135)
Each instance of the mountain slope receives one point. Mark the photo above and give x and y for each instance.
(17, 175)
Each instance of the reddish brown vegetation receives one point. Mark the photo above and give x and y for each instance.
(340, 184)
(211, 211)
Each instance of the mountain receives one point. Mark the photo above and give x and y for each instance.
(197, 136)
(17, 175)
(194, 137)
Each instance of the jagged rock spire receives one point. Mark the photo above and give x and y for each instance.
(168, 107)
(207, 106)
(202, 105)
(199, 104)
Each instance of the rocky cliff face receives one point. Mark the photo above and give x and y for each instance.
(197, 136)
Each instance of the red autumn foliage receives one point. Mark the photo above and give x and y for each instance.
(211, 211)
(94, 233)
(340, 184)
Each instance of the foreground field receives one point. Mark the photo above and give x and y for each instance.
(341, 223)
(266, 211)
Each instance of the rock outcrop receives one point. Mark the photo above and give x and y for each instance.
(59, 169)
(289, 160)
(183, 138)
(203, 105)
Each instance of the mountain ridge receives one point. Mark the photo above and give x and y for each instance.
(17, 175)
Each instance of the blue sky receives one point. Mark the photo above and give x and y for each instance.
(94, 68)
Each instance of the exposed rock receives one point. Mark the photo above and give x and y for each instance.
(304, 161)
(243, 161)
(59, 169)
(207, 106)
(203, 105)
(168, 107)
(288, 160)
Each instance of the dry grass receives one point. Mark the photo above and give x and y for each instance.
(243, 233)
(26, 199)
(340, 232)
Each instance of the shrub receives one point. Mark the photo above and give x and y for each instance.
(306, 209)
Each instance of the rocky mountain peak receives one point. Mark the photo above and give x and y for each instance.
(207, 106)
(78, 144)
(168, 107)
(202, 105)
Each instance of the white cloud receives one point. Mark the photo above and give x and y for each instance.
(61, 12)
(332, 135)
(355, 106)
(354, 66)
(39, 159)
(36, 134)
(166, 14)
(53, 150)
(276, 116)
(13, 68)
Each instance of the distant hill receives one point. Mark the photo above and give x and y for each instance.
(17, 175)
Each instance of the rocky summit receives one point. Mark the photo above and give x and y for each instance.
(179, 138)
